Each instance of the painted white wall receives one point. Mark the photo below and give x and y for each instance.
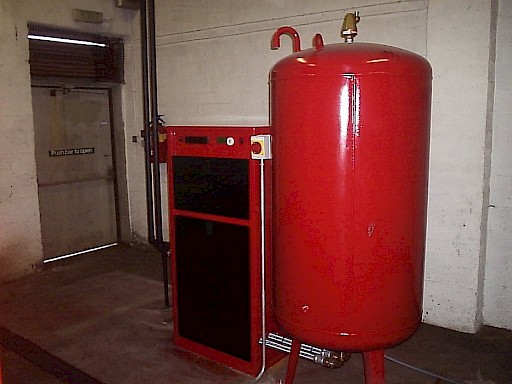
(458, 49)
(20, 232)
(498, 271)
(214, 59)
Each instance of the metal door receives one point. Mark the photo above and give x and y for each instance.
(75, 171)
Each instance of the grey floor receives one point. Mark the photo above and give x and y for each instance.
(100, 318)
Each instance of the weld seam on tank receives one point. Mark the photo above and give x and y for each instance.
(356, 334)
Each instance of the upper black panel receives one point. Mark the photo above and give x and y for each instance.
(212, 185)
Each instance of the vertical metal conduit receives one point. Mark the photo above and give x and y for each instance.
(153, 94)
(145, 119)
(153, 178)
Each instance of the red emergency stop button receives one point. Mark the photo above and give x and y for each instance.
(256, 148)
(260, 147)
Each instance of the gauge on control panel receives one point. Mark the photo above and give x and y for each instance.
(229, 141)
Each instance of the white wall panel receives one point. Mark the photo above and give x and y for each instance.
(498, 272)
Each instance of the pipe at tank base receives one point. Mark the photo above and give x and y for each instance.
(324, 357)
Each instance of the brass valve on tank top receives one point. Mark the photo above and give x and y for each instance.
(349, 28)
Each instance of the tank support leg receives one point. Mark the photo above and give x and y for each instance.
(374, 367)
(292, 362)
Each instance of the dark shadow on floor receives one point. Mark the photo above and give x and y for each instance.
(103, 314)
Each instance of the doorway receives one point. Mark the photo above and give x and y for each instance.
(75, 169)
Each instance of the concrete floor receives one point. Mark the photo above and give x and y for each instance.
(100, 318)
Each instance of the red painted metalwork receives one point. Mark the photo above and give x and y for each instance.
(292, 362)
(318, 41)
(2, 356)
(374, 367)
(162, 145)
(226, 143)
(276, 38)
(351, 141)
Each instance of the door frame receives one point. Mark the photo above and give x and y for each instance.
(118, 146)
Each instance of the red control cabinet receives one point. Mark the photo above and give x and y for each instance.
(216, 243)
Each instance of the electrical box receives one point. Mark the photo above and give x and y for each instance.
(216, 244)
(87, 16)
(261, 147)
(134, 5)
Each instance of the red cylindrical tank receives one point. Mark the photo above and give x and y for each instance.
(351, 141)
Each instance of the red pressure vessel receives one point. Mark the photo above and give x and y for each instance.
(350, 128)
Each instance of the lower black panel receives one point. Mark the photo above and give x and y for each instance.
(212, 261)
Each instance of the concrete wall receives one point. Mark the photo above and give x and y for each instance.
(213, 63)
(498, 271)
(20, 232)
(459, 50)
